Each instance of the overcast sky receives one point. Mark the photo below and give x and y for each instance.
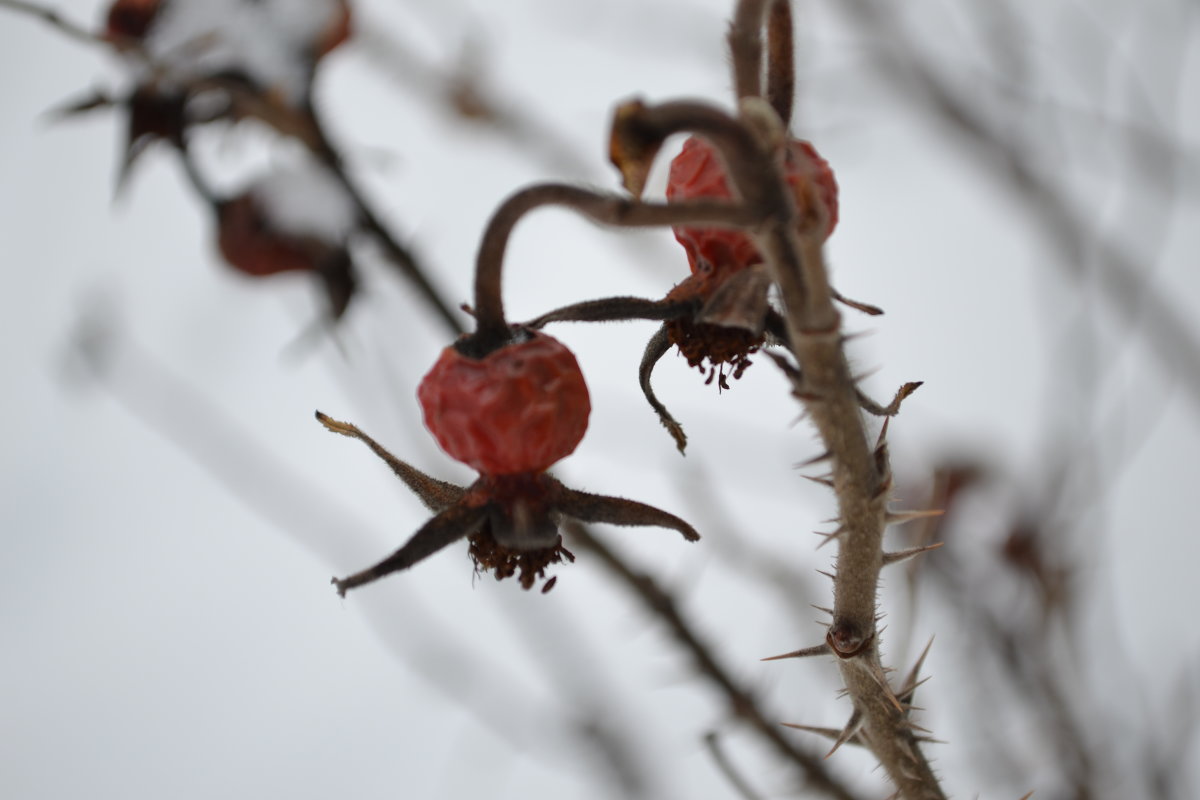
(170, 524)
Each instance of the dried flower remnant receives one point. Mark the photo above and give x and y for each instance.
(511, 414)
(721, 313)
(510, 402)
(732, 328)
(198, 61)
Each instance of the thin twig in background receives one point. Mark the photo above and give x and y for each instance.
(1168, 333)
(267, 486)
(742, 700)
(712, 741)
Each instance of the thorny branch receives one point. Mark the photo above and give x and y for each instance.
(861, 476)
(742, 701)
(792, 249)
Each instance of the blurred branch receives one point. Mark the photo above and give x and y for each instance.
(55, 20)
(304, 124)
(1029, 642)
(1168, 332)
(463, 90)
(229, 453)
(397, 253)
(742, 701)
(712, 741)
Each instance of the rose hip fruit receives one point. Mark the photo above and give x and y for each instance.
(698, 172)
(518, 409)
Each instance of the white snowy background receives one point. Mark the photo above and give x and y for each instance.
(168, 528)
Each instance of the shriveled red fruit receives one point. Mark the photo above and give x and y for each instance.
(130, 19)
(251, 244)
(698, 172)
(518, 409)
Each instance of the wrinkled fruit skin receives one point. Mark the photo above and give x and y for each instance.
(519, 409)
(697, 172)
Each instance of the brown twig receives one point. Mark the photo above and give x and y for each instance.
(56, 20)
(397, 253)
(606, 209)
(742, 701)
(712, 742)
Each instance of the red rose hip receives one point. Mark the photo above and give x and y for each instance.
(698, 172)
(518, 409)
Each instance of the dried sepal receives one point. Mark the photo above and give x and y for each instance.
(448, 526)
(437, 495)
(587, 507)
(656, 348)
(632, 147)
(892, 408)
(740, 301)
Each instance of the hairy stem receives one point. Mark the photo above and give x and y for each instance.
(792, 249)
(742, 701)
(607, 209)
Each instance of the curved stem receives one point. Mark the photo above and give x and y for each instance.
(608, 209)
(656, 348)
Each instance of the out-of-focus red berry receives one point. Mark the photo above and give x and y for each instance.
(337, 31)
(698, 172)
(251, 244)
(518, 409)
(130, 19)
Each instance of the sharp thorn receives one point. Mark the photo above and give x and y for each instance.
(824, 481)
(908, 723)
(853, 726)
(815, 460)
(862, 376)
(828, 611)
(829, 536)
(904, 555)
(817, 650)
(829, 575)
(900, 517)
